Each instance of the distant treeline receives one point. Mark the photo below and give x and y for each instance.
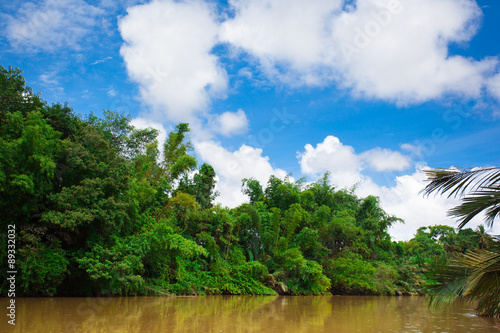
(99, 211)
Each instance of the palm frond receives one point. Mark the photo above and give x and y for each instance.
(458, 182)
(481, 185)
(487, 200)
(475, 277)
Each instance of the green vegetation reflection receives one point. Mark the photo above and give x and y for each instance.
(344, 314)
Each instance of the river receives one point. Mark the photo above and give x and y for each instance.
(235, 314)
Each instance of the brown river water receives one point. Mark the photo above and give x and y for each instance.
(235, 314)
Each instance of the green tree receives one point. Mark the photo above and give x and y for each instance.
(201, 186)
(29, 149)
(176, 160)
(253, 189)
(14, 96)
(296, 275)
(281, 193)
(484, 240)
(351, 275)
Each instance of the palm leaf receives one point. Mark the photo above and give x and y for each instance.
(487, 200)
(475, 277)
(478, 189)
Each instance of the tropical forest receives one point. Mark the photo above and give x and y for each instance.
(102, 208)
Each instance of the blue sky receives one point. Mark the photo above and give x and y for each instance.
(370, 90)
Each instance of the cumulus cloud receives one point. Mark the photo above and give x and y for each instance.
(232, 167)
(288, 37)
(167, 51)
(391, 50)
(345, 165)
(231, 123)
(385, 49)
(403, 200)
(380, 160)
(401, 51)
(51, 24)
(331, 155)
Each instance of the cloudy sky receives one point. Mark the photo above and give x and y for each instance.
(370, 90)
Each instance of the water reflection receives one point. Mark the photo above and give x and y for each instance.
(243, 314)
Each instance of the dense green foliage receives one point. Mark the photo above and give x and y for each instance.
(99, 210)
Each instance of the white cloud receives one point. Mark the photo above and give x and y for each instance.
(345, 165)
(231, 123)
(51, 83)
(391, 50)
(111, 91)
(414, 149)
(232, 167)
(494, 86)
(403, 200)
(246, 73)
(331, 155)
(99, 61)
(386, 160)
(405, 58)
(51, 24)
(167, 51)
(385, 49)
(49, 79)
(287, 34)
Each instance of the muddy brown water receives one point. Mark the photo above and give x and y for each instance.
(235, 314)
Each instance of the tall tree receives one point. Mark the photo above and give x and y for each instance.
(176, 160)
